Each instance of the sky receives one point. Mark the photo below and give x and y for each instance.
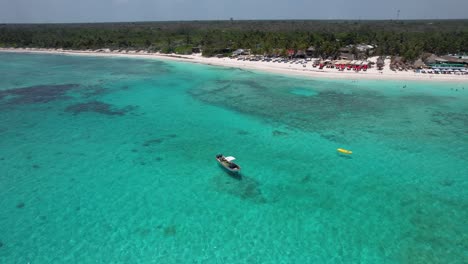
(70, 11)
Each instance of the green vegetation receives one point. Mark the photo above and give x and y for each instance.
(408, 39)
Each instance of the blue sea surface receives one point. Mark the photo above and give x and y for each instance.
(112, 160)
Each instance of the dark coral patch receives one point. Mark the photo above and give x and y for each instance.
(20, 205)
(143, 231)
(447, 182)
(157, 141)
(37, 94)
(35, 166)
(449, 118)
(277, 133)
(316, 113)
(170, 231)
(93, 91)
(98, 107)
(1, 244)
(305, 179)
(242, 132)
(153, 142)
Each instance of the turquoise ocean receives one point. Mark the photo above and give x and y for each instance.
(112, 160)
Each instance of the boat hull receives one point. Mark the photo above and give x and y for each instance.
(229, 166)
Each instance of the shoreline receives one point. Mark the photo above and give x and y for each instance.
(270, 67)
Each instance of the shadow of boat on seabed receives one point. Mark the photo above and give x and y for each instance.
(239, 185)
(344, 156)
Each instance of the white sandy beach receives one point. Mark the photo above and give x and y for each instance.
(279, 68)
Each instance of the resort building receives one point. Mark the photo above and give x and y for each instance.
(311, 52)
(239, 52)
(346, 56)
(196, 49)
(364, 47)
(447, 64)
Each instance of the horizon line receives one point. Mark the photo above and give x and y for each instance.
(229, 20)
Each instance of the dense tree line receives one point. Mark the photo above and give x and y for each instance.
(408, 39)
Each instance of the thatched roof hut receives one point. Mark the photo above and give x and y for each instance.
(452, 59)
(380, 63)
(398, 63)
(397, 60)
(300, 54)
(419, 64)
(433, 59)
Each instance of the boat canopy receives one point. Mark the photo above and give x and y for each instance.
(230, 158)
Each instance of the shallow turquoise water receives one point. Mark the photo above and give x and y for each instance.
(107, 160)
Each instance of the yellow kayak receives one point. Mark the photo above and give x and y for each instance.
(344, 151)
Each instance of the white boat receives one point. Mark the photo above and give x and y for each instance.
(227, 163)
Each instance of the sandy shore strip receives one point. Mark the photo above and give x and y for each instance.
(278, 68)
